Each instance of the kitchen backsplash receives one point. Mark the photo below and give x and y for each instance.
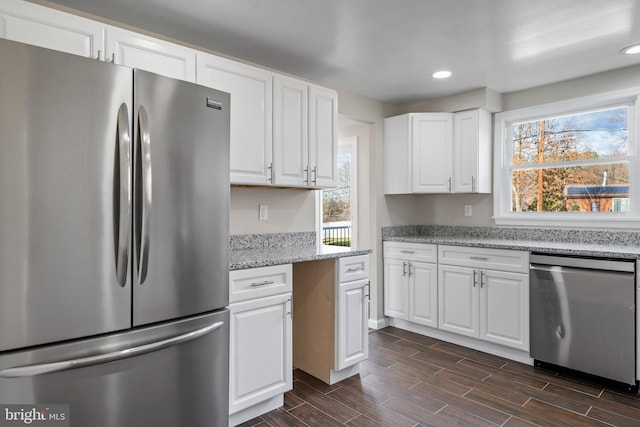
(267, 240)
(521, 234)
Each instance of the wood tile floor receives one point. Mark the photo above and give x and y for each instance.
(412, 380)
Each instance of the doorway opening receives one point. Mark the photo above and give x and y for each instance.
(338, 206)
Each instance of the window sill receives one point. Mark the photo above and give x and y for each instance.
(623, 223)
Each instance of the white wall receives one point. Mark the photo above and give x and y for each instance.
(448, 209)
(289, 210)
(371, 113)
(622, 78)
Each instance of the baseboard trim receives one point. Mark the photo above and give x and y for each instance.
(473, 343)
(378, 323)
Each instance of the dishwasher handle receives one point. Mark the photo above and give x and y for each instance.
(547, 261)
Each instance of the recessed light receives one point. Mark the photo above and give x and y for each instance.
(631, 50)
(441, 74)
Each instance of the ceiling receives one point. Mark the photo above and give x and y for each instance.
(387, 50)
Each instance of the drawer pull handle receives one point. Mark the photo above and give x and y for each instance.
(355, 269)
(407, 252)
(258, 284)
(479, 258)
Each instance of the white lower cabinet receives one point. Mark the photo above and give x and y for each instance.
(458, 300)
(261, 344)
(478, 301)
(481, 293)
(410, 283)
(352, 323)
(261, 360)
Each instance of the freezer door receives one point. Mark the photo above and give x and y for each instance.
(181, 209)
(173, 374)
(64, 152)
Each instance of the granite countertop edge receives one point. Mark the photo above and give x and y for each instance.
(267, 256)
(550, 247)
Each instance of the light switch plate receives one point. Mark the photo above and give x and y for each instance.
(468, 210)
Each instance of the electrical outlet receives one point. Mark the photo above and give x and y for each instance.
(468, 210)
(263, 212)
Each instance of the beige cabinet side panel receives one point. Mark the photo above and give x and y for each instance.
(313, 318)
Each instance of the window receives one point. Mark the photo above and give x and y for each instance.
(337, 206)
(571, 163)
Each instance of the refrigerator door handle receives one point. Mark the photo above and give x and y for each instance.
(144, 141)
(65, 365)
(124, 189)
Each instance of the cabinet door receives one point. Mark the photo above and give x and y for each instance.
(504, 308)
(251, 115)
(150, 54)
(472, 152)
(49, 28)
(323, 137)
(352, 323)
(458, 300)
(260, 362)
(423, 293)
(465, 151)
(290, 132)
(396, 290)
(431, 140)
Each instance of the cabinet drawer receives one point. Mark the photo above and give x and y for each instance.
(259, 282)
(411, 251)
(492, 259)
(353, 268)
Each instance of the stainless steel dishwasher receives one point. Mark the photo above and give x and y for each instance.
(583, 315)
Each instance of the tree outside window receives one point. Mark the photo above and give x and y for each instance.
(571, 163)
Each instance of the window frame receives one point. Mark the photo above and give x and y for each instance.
(503, 157)
(347, 145)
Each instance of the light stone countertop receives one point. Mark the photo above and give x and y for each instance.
(557, 248)
(589, 243)
(264, 256)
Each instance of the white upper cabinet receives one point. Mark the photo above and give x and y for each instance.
(323, 140)
(150, 54)
(283, 130)
(49, 28)
(251, 115)
(438, 153)
(305, 144)
(472, 152)
(431, 152)
(290, 132)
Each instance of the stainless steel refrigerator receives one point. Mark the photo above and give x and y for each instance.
(114, 194)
